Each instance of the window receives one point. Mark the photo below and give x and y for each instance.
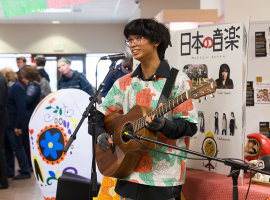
(102, 70)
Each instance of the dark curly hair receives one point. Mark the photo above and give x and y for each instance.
(152, 30)
(30, 74)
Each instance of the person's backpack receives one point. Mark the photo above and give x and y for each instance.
(44, 87)
(77, 78)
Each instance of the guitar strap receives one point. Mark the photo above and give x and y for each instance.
(165, 94)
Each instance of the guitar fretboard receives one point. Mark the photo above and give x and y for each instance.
(160, 111)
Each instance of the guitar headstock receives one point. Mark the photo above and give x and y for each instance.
(206, 87)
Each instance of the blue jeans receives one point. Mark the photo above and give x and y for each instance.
(216, 130)
(14, 143)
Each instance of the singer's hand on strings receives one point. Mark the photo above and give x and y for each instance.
(155, 123)
(104, 141)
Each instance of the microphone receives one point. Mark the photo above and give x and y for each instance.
(124, 55)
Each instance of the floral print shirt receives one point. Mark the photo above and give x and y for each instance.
(154, 169)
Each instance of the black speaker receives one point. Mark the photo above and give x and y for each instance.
(71, 186)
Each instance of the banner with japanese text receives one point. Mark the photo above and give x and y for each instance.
(219, 52)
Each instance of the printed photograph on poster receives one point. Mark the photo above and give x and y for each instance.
(224, 124)
(216, 128)
(196, 73)
(201, 121)
(224, 81)
(262, 93)
(232, 124)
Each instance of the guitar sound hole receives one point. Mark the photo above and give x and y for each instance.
(128, 127)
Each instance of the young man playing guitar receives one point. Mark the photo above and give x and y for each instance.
(157, 176)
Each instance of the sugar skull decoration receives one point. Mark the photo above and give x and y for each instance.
(258, 145)
(51, 125)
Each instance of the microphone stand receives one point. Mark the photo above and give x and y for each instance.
(92, 110)
(235, 166)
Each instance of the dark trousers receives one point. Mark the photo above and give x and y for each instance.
(225, 132)
(13, 143)
(3, 167)
(26, 141)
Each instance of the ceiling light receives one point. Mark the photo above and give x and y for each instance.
(64, 10)
(55, 22)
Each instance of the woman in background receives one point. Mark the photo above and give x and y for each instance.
(232, 124)
(32, 97)
(224, 124)
(16, 113)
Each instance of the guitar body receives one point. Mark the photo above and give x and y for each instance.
(127, 152)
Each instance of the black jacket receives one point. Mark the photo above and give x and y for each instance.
(3, 101)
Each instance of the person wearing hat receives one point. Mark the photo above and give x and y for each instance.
(72, 78)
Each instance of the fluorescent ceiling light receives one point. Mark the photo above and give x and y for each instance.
(64, 10)
(56, 22)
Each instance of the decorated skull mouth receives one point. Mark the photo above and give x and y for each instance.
(252, 147)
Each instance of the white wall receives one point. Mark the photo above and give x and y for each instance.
(257, 66)
(239, 10)
(213, 4)
(150, 8)
(83, 38)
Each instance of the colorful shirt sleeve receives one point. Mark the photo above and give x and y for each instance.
(113, 102)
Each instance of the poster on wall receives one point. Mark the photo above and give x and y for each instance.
(219, 52)
(260, 44)
(262, 93)
(250, 94)
(265, 129)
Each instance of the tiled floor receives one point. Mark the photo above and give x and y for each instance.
(26, 189)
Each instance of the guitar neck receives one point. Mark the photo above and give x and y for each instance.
(160, 111)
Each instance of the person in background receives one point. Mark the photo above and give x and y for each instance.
(39, 64)
(31, 78)
(21, 63)
(3, 123)
(121, 70)
(72, 78)
(13, 139)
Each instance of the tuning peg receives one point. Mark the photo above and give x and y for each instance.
(205, 98)
(199, 100)
(212, 95)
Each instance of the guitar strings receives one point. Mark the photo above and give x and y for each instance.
(141, 122)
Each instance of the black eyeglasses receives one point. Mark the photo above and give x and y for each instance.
(136, 41)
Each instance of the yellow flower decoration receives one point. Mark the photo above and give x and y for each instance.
(74, 122)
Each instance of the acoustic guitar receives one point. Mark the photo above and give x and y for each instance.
(122, 157)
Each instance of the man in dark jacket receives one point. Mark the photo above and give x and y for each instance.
(40, 63)
(121, 70)
(21, 63)
(3, 123)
